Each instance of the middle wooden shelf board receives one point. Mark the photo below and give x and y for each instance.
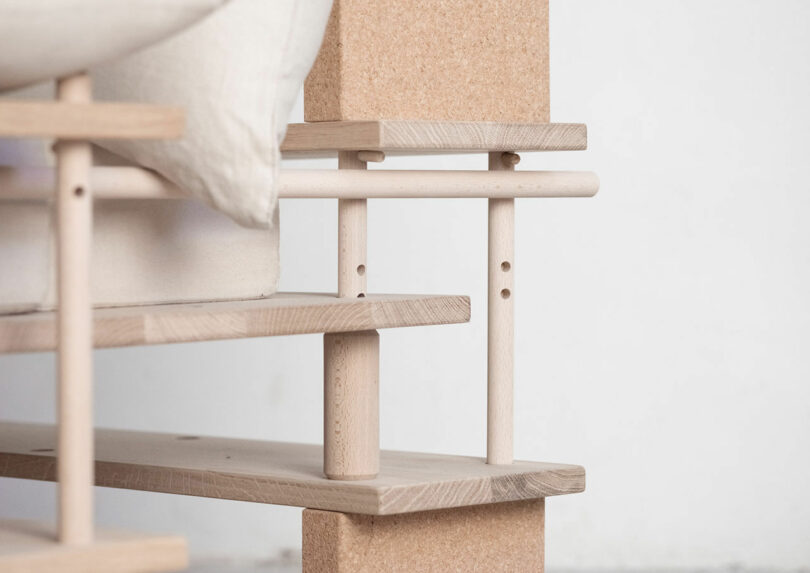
(285, 473)
(278, 315)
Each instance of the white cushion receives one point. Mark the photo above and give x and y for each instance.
(144, 251)
(45, 39)
(237, 75)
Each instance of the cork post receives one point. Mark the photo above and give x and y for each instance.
(74, 204)
(500, 319)
(351, 360)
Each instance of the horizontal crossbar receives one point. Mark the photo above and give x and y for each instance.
(137, 183)
(89, 120)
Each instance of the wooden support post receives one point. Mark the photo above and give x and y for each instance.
(500, 319)
(499, 537)
(351, 236)
(351, 436)
(74, 203)
(351, 361)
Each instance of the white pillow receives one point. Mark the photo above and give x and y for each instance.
(236, 75)
(43, 39)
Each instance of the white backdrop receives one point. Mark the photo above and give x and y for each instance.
(662, 331)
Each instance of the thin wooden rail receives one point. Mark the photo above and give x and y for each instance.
(74, 202)
(136, 183)
(89, 120)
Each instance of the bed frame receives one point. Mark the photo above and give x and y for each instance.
(365, 510)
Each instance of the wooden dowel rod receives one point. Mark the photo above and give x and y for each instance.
(74, 203)
(351, 405)
(500, 322)
(351, 234)
(135, 183)
(371, 156)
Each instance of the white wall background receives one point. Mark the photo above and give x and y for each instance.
(663, 327)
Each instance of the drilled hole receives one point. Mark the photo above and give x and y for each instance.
(188, 437)
(361, 270)
(505, 266)
(42, 450)
(78, 191)
(506, 293)
(361, 295)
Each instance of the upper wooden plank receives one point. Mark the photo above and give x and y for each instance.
(433, 136)
(281, 314)
(285, 473)
(89, 120)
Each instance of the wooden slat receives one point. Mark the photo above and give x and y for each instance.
(285, 473)
(279, 315)
(27, 547)
(433, 136)
(37, 184)
(89, 120)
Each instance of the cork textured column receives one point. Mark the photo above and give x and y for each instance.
(502, 537)
(463, 60)
(500, 319)
(351, 423)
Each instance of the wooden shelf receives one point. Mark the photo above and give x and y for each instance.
(285, 473)
(432, 136)
(27, 547)
(281, 314)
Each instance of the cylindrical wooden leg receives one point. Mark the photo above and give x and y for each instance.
(75, 328)
(500, 330)
(351, 365)
(351, 236)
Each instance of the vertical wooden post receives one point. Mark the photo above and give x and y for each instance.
(74, 204)
(500, 319)
(351, 395)
(351, 445)
(351, 236)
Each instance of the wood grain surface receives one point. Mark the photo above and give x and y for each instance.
(89, 120)
(278, 315)
(286, 473)
(445, 136)
(30, 547)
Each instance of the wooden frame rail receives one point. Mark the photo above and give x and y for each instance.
(345, 183)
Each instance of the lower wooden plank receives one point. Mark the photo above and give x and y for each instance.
(27, 547)
(500, 537)
(286, 473)
(278, 315)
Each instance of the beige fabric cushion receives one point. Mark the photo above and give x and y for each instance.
(45, 39)
(237, 75)
(144, 251)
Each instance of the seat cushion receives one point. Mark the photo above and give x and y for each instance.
(236, 75)
(42, 39)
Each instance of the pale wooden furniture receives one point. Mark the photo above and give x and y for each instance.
(349, 474)
(76, 546)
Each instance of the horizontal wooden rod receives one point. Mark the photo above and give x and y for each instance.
(137, 183)
(89, 120)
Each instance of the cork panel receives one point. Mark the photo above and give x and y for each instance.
(495, 538)
(460, 60)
